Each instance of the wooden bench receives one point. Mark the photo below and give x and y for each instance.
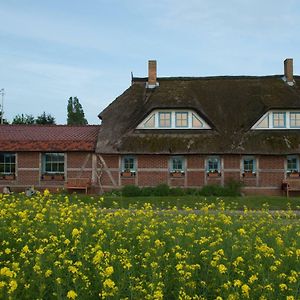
(78, 184)
(291, 185)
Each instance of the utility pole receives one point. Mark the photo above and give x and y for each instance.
(2, 110)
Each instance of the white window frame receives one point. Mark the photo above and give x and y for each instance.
(270, 116)
(173, 113)
(44, 171)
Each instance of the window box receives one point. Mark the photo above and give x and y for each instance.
(47, 177)
(177, 174)
(293, 174)
(249, 174)
(128, 174)
(214, 174)
(8, 176)
(59, 177)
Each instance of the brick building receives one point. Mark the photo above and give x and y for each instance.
(183, 131)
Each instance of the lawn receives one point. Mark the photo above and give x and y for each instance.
(70, 247)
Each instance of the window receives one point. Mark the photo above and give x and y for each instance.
(173, 119)
(177, 164)
(213, 164)
(294, 119)
(164, 119)
(128, 164)
(7, 163)
(196, 123)
(292, 163)
(278, 119)
(249, 164)
(150, 122)
(181, 119)
(54, 163)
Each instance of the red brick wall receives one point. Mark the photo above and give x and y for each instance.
(270, 171)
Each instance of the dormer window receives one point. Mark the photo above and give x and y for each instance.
(276, 119)
(173, 119)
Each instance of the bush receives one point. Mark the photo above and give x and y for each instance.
(233, 188)
(131, 191)
(161, 190)
(212, 190)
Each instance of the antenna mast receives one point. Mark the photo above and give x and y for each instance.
(2, 110)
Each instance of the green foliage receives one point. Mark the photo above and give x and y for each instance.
(131, 191)
(232, 188)
(44, 119)
(23, 119)
(75, 112)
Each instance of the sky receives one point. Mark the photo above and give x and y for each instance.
(53, 50)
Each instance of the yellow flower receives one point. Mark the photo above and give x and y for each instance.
(252, 278)
(75, 232)
(12, 286)
(108, 283)
(48, 273)
(71, 294)
(46, 193)
(222, 269)
(283, 287)
(108, 271)
(7, 251)
(245, 290)
(290, 298)
(237, 283)
(241, 231)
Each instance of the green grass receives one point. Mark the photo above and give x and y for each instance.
(165, 202)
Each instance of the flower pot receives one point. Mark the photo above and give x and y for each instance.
(59, 177)
(213, 174)
(249, 174)
(9, 177)
(177, 174)
(127, 174)
(47, 177)
(294, 175)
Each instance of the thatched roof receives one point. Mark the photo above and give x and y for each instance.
(230, 105)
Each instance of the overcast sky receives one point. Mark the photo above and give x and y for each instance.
(51, 50)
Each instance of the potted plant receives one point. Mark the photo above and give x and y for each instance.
(9, 176)
(293, 174)
(127, 173)
(249, 174)
(177, 174)
(213, 173)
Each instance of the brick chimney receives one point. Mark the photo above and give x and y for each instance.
(288, 71)
(152, 75)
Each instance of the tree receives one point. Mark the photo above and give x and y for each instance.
(75, 112)
(4, 120)
(44, 119)
(23, 119)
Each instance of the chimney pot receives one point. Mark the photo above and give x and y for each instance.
(288, 71)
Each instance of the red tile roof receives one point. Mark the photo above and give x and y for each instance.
(48, 137)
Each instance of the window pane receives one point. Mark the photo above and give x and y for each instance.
(292, 163)
(7, 162)
(129, 163)
(249, 165)
(295, 119)
(150, 123)
(213, 164)
(164, 119)
(279, 120)
(196, 123)
(181, 119)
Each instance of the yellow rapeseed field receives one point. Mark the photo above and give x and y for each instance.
(54, 248)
